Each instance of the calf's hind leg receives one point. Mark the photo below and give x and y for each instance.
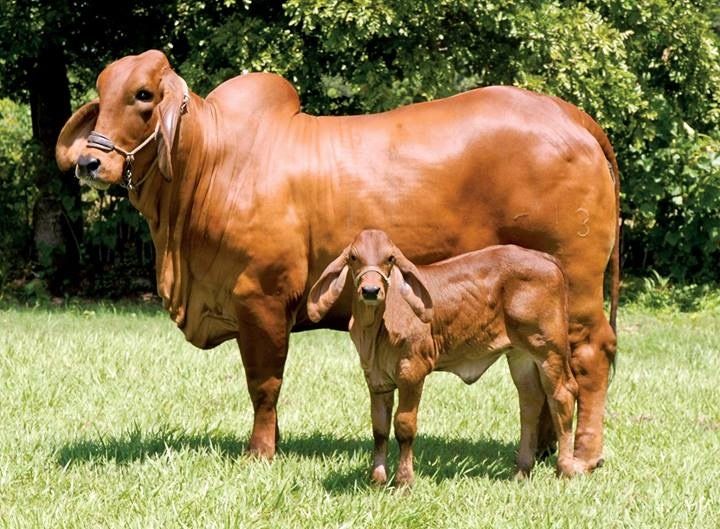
(561, 391)
(532, 398)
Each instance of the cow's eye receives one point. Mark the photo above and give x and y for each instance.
(143, 95)
(391, 259)
(353, 257)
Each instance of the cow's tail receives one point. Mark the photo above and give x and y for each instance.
(589, 124)
(602, 139)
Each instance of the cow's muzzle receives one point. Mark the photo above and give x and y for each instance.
(87, 167)
(87, 170)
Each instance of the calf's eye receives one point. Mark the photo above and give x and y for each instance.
(143, 95)
(391, 259)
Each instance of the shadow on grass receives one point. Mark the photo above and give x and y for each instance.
(136, 445)
(438, 458)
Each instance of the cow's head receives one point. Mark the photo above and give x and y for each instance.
(371, 259)
(133, 122)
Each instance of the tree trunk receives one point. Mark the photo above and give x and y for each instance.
(57, 214)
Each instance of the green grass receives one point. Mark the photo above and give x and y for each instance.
(109, 419)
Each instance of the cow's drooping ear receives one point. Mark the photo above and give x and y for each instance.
(326, 290)
(174, 90)
(73, 136)
(413, 290)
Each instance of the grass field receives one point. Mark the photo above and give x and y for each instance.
(109, 419)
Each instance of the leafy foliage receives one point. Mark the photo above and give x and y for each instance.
(17, 192)
(647, 70)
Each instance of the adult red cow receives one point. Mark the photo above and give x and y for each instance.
(248, 199)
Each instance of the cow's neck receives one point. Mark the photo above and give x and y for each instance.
(221, 164)
(166, 204)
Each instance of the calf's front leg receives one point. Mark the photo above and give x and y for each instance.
(381, 405)
(406, 429)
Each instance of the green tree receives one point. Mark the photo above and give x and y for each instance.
(17, 194)
(44, 44)
(648, 70)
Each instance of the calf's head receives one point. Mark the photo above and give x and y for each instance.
(371, 260)
(137, 113)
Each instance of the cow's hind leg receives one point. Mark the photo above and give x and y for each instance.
(532, 397)
(381, 405)
(591, 358)
(263, 340)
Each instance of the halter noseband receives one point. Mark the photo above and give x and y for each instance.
(98, 140)
(369, 269)
(105, 144)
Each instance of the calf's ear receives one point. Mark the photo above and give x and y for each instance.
(73, 136)
(413, 290)
(327, 289)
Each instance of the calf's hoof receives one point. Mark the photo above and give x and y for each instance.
(378, 476)
(404, 478)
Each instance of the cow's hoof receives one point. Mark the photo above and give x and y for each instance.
(592, 464)
(260, 451)
(569, 468)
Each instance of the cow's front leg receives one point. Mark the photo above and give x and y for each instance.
(406, 429)
(381, 405)
(263, 340)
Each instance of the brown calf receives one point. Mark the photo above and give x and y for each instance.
(459, 315)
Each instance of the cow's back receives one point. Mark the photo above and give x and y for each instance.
(492, 166)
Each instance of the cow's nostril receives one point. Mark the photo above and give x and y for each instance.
(88, 163)
(370, 293)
